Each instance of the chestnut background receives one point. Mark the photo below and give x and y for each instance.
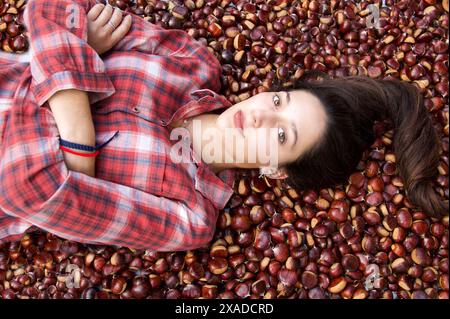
(273, 241)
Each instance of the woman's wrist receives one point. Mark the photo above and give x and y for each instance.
(80, 135)
(80, 164)
(73, 157)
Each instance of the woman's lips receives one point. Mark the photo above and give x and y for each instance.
(238, 120)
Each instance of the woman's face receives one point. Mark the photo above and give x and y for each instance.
(283, 124)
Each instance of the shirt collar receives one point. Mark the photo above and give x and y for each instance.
(204, 101)
(217, 188)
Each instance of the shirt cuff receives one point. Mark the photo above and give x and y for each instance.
(98, 85)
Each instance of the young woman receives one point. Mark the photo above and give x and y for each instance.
(62, 96)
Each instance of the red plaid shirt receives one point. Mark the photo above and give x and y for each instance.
(139, 197)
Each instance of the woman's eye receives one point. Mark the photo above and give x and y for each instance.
(281, 135)
(277, 100)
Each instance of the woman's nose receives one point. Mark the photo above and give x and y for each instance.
(263, 118)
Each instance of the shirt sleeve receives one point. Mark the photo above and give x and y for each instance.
(151, 38)
(60, 57)
(85, 209)
(178, 47)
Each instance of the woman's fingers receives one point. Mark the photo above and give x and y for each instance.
(122, 29)
(107, 26)
(95, 11)
(105, 15)
(116, 18)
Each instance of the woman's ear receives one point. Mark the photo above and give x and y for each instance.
(278, 174)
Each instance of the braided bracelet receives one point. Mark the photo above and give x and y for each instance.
(65, 145)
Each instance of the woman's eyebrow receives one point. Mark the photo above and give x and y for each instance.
(293, 127)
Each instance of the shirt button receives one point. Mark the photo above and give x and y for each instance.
(163, 122)
(135, 110)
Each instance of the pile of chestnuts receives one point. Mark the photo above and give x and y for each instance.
(362, 239)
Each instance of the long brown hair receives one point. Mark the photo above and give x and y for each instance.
(352, 104)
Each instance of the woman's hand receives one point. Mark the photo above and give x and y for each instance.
(101, 35)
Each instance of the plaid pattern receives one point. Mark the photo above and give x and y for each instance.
(139, 197)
